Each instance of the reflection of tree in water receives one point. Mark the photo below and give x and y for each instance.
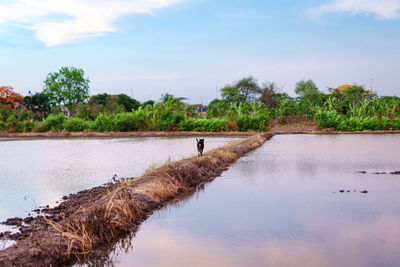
(109, 254)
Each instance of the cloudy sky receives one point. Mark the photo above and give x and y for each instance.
(192, 47)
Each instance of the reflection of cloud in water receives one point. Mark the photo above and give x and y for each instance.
(368, 242)
(351, 243)
(176, 247)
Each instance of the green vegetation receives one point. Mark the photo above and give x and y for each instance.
(365, 112)
(246, 105)
(68, 86)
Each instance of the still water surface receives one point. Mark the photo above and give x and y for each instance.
(280, 206)
(40, 172)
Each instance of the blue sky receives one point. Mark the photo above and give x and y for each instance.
(192, 47)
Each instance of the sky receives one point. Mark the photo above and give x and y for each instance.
(192, 48)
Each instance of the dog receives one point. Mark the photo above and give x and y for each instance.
(200, 147)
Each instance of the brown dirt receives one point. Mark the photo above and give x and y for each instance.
(92, 218)
(295, 128)
(311, 128)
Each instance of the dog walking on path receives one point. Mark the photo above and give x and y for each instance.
(200, 147)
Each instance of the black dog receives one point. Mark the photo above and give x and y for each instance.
(200, 147)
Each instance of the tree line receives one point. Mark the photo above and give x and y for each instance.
(244, 105)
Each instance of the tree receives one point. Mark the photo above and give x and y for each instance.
(148, 103)
(128, 103)
(68, 86)
(244, 90)
(39, 104)
(100, 99)
(9, 98)
(171, 98)
(347, 96)
(269, 95)
(308, 92)
(217, 108)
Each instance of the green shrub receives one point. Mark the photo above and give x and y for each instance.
(169, 120)
(247, 122)
(128, 121)
(54, 122)
(327, 119)
(354, 124)
(370, 123)
(396, 123)
(204, 125)
(13, 125)
(74, 124)
(343, 125)
(103, 123)
(3, 126)
(386, 123)
(28, 126)
(39, 127)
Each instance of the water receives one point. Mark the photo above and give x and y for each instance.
(39, 172)
(280, 206)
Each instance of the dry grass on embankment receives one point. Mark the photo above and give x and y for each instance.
(117, 210)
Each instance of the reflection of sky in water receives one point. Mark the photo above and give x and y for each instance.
(275, 207)
(40, 172)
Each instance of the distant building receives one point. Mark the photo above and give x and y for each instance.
(65, 111)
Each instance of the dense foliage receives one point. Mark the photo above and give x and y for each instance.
(68, 86)
(246, 105)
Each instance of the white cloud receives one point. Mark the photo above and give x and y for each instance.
(61, 21)
(383, 9)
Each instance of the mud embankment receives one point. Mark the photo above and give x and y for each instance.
(92, 218)
(311, 128)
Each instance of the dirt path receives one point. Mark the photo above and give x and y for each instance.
(311, 128)
(295, 128)
(92, 218)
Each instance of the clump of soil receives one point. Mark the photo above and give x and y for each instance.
(348, 191)
(392, 173)
(91, 218)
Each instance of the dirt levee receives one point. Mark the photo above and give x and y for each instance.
(92, 218)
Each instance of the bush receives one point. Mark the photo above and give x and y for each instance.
(370, 123)
(396, 123)
(249, 122)
(76, 125)
(386, 123)
(103, 123)
(54, 122)
(169, 120)
(362, 123)
(13, 125)
(204, 125)
(128, 121)
(39, 127)
(4, 114)
(327, 119)
(27, 126)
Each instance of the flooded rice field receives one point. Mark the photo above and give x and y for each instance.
(282, 205)
(39, 172)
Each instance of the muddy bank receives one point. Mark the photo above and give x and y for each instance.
(311, 128)
(117, 134)
(91, 218)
